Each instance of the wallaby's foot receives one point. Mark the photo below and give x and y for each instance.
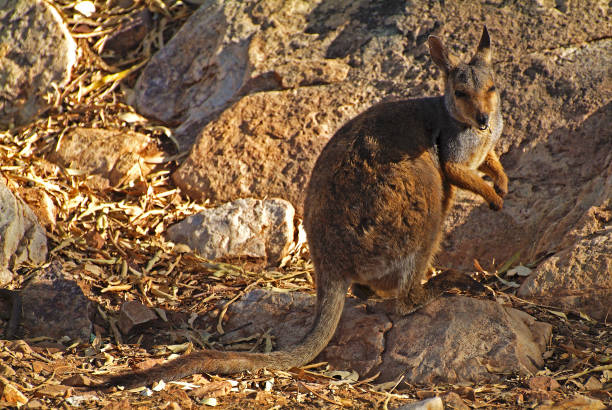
(362, 292)
(450, 279)
(405, 307)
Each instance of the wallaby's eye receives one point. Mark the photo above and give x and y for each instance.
(492, 88)
(460, 94)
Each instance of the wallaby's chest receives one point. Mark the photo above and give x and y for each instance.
(468, 147)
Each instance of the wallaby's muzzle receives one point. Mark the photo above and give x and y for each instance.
(483, 121)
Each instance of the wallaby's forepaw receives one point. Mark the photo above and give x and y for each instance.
(501, 188)
(497, 203)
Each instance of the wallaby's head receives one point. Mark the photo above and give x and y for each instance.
(470, 93)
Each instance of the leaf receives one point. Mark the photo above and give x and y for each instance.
(519, 270)
(343, 376)
(507, 282)
(131, 117)
(86, 8)
(513, 259)
(179, 348)
(210, 401)
(557, 313)
(159, 386)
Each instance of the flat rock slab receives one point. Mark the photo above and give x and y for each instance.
(36, 51)
(111, 157)
(242, 228)
(453, 339)
(54, 306)
(22, 238)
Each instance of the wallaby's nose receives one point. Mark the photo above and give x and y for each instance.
(483, 121)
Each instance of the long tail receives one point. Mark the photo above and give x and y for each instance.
(330, 302)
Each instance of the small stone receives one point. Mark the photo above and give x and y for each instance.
(131, 32)
(544, 383)
(434, 403)
(593, 384)
(212, 389)
(454, 401)
(77, 380)
(36, 404)
(10, 394)
(54, 390)
(41, 204)
(133, 314)
(110, 157)
(242, 228)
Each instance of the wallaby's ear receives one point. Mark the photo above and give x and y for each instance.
(439, 54)
(484, 47)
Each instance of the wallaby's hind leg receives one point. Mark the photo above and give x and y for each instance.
(412, 294)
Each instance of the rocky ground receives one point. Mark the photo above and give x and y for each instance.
(131, 129)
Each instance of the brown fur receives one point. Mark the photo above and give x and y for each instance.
(376, 202)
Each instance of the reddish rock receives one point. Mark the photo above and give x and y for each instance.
(459, 339)
(110, 157)
(453, 339)
(265, 145)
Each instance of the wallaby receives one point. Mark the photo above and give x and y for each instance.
(375, 205)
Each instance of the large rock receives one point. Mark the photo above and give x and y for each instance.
(36, 51)
(274, 70)
(243, 228)
(228, 49)
(453, 339)
(22, 239)
(109, 157)
(264, 145)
